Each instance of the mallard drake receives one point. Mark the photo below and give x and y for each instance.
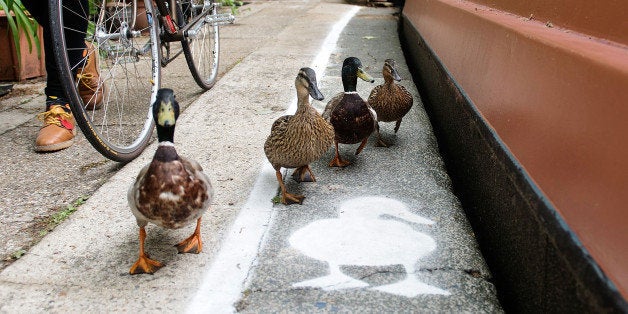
(353, 119)
(297, 140)
(171, 191)
(391, 101)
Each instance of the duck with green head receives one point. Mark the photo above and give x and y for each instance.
(171, 191)
(353, 119)
(391, 101)
(297, 140)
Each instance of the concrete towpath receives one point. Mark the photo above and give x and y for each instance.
(385, 234)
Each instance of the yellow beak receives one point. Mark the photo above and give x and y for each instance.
(363, 75)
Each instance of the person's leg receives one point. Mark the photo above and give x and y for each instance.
(59, 125)
(39, 10)
(75, 23)
(83, 56)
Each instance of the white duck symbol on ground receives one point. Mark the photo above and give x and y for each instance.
(359, 236)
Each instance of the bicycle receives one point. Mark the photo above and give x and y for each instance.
(130, 61)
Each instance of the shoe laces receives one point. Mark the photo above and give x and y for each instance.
(88, 80)
(56, 115)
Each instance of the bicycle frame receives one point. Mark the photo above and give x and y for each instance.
(171, 32)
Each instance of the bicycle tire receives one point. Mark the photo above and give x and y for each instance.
(202, 52)
(130, 75)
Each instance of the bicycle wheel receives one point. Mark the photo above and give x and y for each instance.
(126, 11)
(127, 61)
(202, 46)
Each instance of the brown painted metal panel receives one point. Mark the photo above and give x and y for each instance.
(538, 265)
(605, 19)
(559, 101)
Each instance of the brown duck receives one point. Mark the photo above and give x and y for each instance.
(353, 119)
(171, 191)
(391, 101)
(297, 140)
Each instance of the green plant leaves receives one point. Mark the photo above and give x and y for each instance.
(17, 19)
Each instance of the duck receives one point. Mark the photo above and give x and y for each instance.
(362, 235)
(390, 101)
(351, 116)
(297, 140)
(171, 191)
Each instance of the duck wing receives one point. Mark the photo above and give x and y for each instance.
(331, 106)
(133, 196)
(200, 189)
(406, 96)
(373, 99)
(280, 126)
(277, 133)
(274, 147)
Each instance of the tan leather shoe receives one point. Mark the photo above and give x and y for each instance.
(90, 86)
(58, 131)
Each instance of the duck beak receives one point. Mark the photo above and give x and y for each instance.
(315, 92)
(363, 75)
(395, 75)
(166, 116)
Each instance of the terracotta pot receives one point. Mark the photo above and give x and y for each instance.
(141, 22)
(31, 66)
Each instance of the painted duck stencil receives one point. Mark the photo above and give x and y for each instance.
(359, 236)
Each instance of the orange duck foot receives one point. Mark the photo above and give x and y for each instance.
(303, 174)
(145, 265)
(339, 162)
(193, 244)
(288, 199)
(381, 143)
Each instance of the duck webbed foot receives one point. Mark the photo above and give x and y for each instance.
(337, 161)
(380, 143)
(361, 147)
(287, 198)
(193, 244)
(303, 174)
(144, 265)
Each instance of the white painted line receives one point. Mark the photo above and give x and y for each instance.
(329, 45)
(230, 271)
